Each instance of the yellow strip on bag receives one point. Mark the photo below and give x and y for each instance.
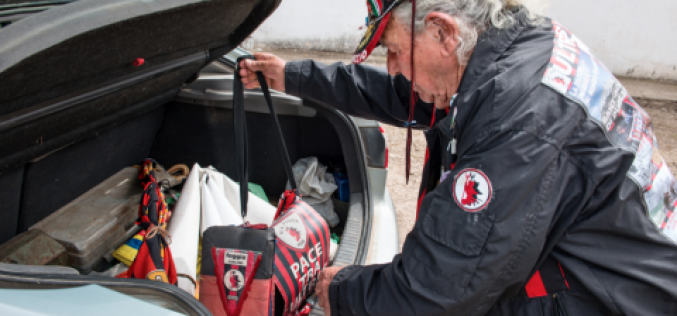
(127, 252)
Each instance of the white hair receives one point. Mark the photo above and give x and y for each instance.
(472, 17)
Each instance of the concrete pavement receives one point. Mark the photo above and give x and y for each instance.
(650, 90)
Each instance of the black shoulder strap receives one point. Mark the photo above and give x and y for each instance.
(240, 124)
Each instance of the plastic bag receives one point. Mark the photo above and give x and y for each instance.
(317, 187)
(184, 228)
(217, 210)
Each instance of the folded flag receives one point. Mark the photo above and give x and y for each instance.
(154, 259)
(127, 252)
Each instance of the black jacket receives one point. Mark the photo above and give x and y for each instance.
(557, 203)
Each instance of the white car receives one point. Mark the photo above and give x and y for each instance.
(89, 87)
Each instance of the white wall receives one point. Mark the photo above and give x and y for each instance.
(633, 38)
(315, 24)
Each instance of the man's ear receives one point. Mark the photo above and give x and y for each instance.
(444, 30)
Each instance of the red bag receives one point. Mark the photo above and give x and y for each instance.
(258, 270)
(301, 252)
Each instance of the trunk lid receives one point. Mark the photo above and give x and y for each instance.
(78, 67)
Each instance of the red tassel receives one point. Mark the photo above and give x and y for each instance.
(255, 226)
(288, 197)
(305, 311)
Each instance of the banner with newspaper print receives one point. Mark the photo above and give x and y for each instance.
(574, 72)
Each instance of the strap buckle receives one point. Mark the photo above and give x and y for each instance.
(410, 123)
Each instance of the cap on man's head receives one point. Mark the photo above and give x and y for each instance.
(379, 13)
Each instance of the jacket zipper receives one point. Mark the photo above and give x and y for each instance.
(559, 307)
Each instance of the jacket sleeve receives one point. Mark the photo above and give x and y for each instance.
(456, 260)
(359, 90)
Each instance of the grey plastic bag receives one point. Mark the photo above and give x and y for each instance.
(316, 186)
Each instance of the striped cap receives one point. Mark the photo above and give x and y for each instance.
(379, 13)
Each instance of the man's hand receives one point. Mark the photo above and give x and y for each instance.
(322, 288)
(270, 65)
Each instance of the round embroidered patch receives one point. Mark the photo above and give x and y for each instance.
(292, 231)
(233, 280)
(472, 190)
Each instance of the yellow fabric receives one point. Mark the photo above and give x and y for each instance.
(199, 256)
(126, 253)
(199, 266)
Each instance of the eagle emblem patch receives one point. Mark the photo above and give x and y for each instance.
(292, 231)
(472, 190)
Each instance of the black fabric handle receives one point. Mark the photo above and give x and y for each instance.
(240, 124)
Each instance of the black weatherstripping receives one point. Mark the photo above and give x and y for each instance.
(375, 146)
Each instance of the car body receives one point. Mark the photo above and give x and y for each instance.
(88, 87)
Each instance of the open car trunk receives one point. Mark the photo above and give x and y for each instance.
(91, 87)
(184, 131)
(188, 133)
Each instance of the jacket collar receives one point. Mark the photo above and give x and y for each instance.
(491, 44)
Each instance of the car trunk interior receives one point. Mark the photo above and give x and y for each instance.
(172, 133)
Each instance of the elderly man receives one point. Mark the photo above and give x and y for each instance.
(544, 192)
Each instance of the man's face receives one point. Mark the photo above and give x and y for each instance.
(437, 76)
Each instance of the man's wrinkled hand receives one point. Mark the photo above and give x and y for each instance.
(322, 288)
(270, 65)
